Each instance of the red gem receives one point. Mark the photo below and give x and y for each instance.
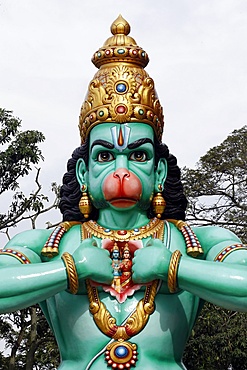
(134, 52)
(121, 109)
(107, 52)
(122, 232)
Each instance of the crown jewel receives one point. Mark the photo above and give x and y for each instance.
(121, 91)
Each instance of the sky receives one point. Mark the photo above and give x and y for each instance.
(198, 60)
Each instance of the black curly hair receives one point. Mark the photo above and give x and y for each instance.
(70, 193)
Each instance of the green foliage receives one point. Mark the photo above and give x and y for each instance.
(217, 194)
(217, 188)
(30, 341)
(218, 341)
(19, 152)
(26, 334)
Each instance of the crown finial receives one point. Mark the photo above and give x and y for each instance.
(120, 26)
(120, 47)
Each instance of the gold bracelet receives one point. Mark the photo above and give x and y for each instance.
(73, 283)
(172, 271)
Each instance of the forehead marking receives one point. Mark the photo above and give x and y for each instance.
(121, 139)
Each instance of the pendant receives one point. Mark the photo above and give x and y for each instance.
(121, 354)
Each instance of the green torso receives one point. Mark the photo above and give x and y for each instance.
(161, 348)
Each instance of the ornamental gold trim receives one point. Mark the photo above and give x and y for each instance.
(134, 324)
(121, 91)
(172, 271)
(73, 283)
(154, 228)
(228, 250)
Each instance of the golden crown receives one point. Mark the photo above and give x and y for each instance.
(121, 91)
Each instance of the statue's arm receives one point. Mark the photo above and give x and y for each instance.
(25, 284)
(25, 279)
(222, 283)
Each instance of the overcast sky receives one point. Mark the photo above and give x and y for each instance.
(198, 59)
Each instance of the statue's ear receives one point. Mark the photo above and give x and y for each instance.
(81, 173)
(160, 175)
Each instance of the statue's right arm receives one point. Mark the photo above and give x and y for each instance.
(23, 284)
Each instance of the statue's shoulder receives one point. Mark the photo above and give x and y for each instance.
(30, 239)
(210, 236)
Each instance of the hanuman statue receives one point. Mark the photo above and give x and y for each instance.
(122, 279)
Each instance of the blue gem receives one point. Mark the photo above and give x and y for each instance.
(121, 88)
(107, 230)
(136, 230)
(121, 51)
(121, 351)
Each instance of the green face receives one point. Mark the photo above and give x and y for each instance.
(121, 166)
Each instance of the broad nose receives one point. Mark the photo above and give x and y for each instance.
(121, 174)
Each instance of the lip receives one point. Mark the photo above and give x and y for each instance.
(123, 202)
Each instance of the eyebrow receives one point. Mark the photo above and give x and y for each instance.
(104, 143)
(140, 142)
(133, 145)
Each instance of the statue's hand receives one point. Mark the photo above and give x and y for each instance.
(151, 262)
(93, 262)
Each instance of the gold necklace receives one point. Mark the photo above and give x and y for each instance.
(121, 354)
(154, 228)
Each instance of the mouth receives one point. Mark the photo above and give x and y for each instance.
(122, 202)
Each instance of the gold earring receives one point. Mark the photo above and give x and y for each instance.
(158, 203)
(85, 204)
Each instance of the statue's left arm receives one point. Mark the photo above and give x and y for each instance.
(222, 277)
(222, 281)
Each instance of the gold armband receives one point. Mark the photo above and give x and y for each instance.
(16, 254)
(172, 271)
(73, 283)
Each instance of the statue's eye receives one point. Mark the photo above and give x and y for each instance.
(105, 157)
(138, 156)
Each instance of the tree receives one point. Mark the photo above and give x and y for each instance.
(30, 341)
(217, 188)
(19, 151)
(26, 333)
(217, 194)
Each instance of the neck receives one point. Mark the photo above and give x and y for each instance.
(122, 220)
